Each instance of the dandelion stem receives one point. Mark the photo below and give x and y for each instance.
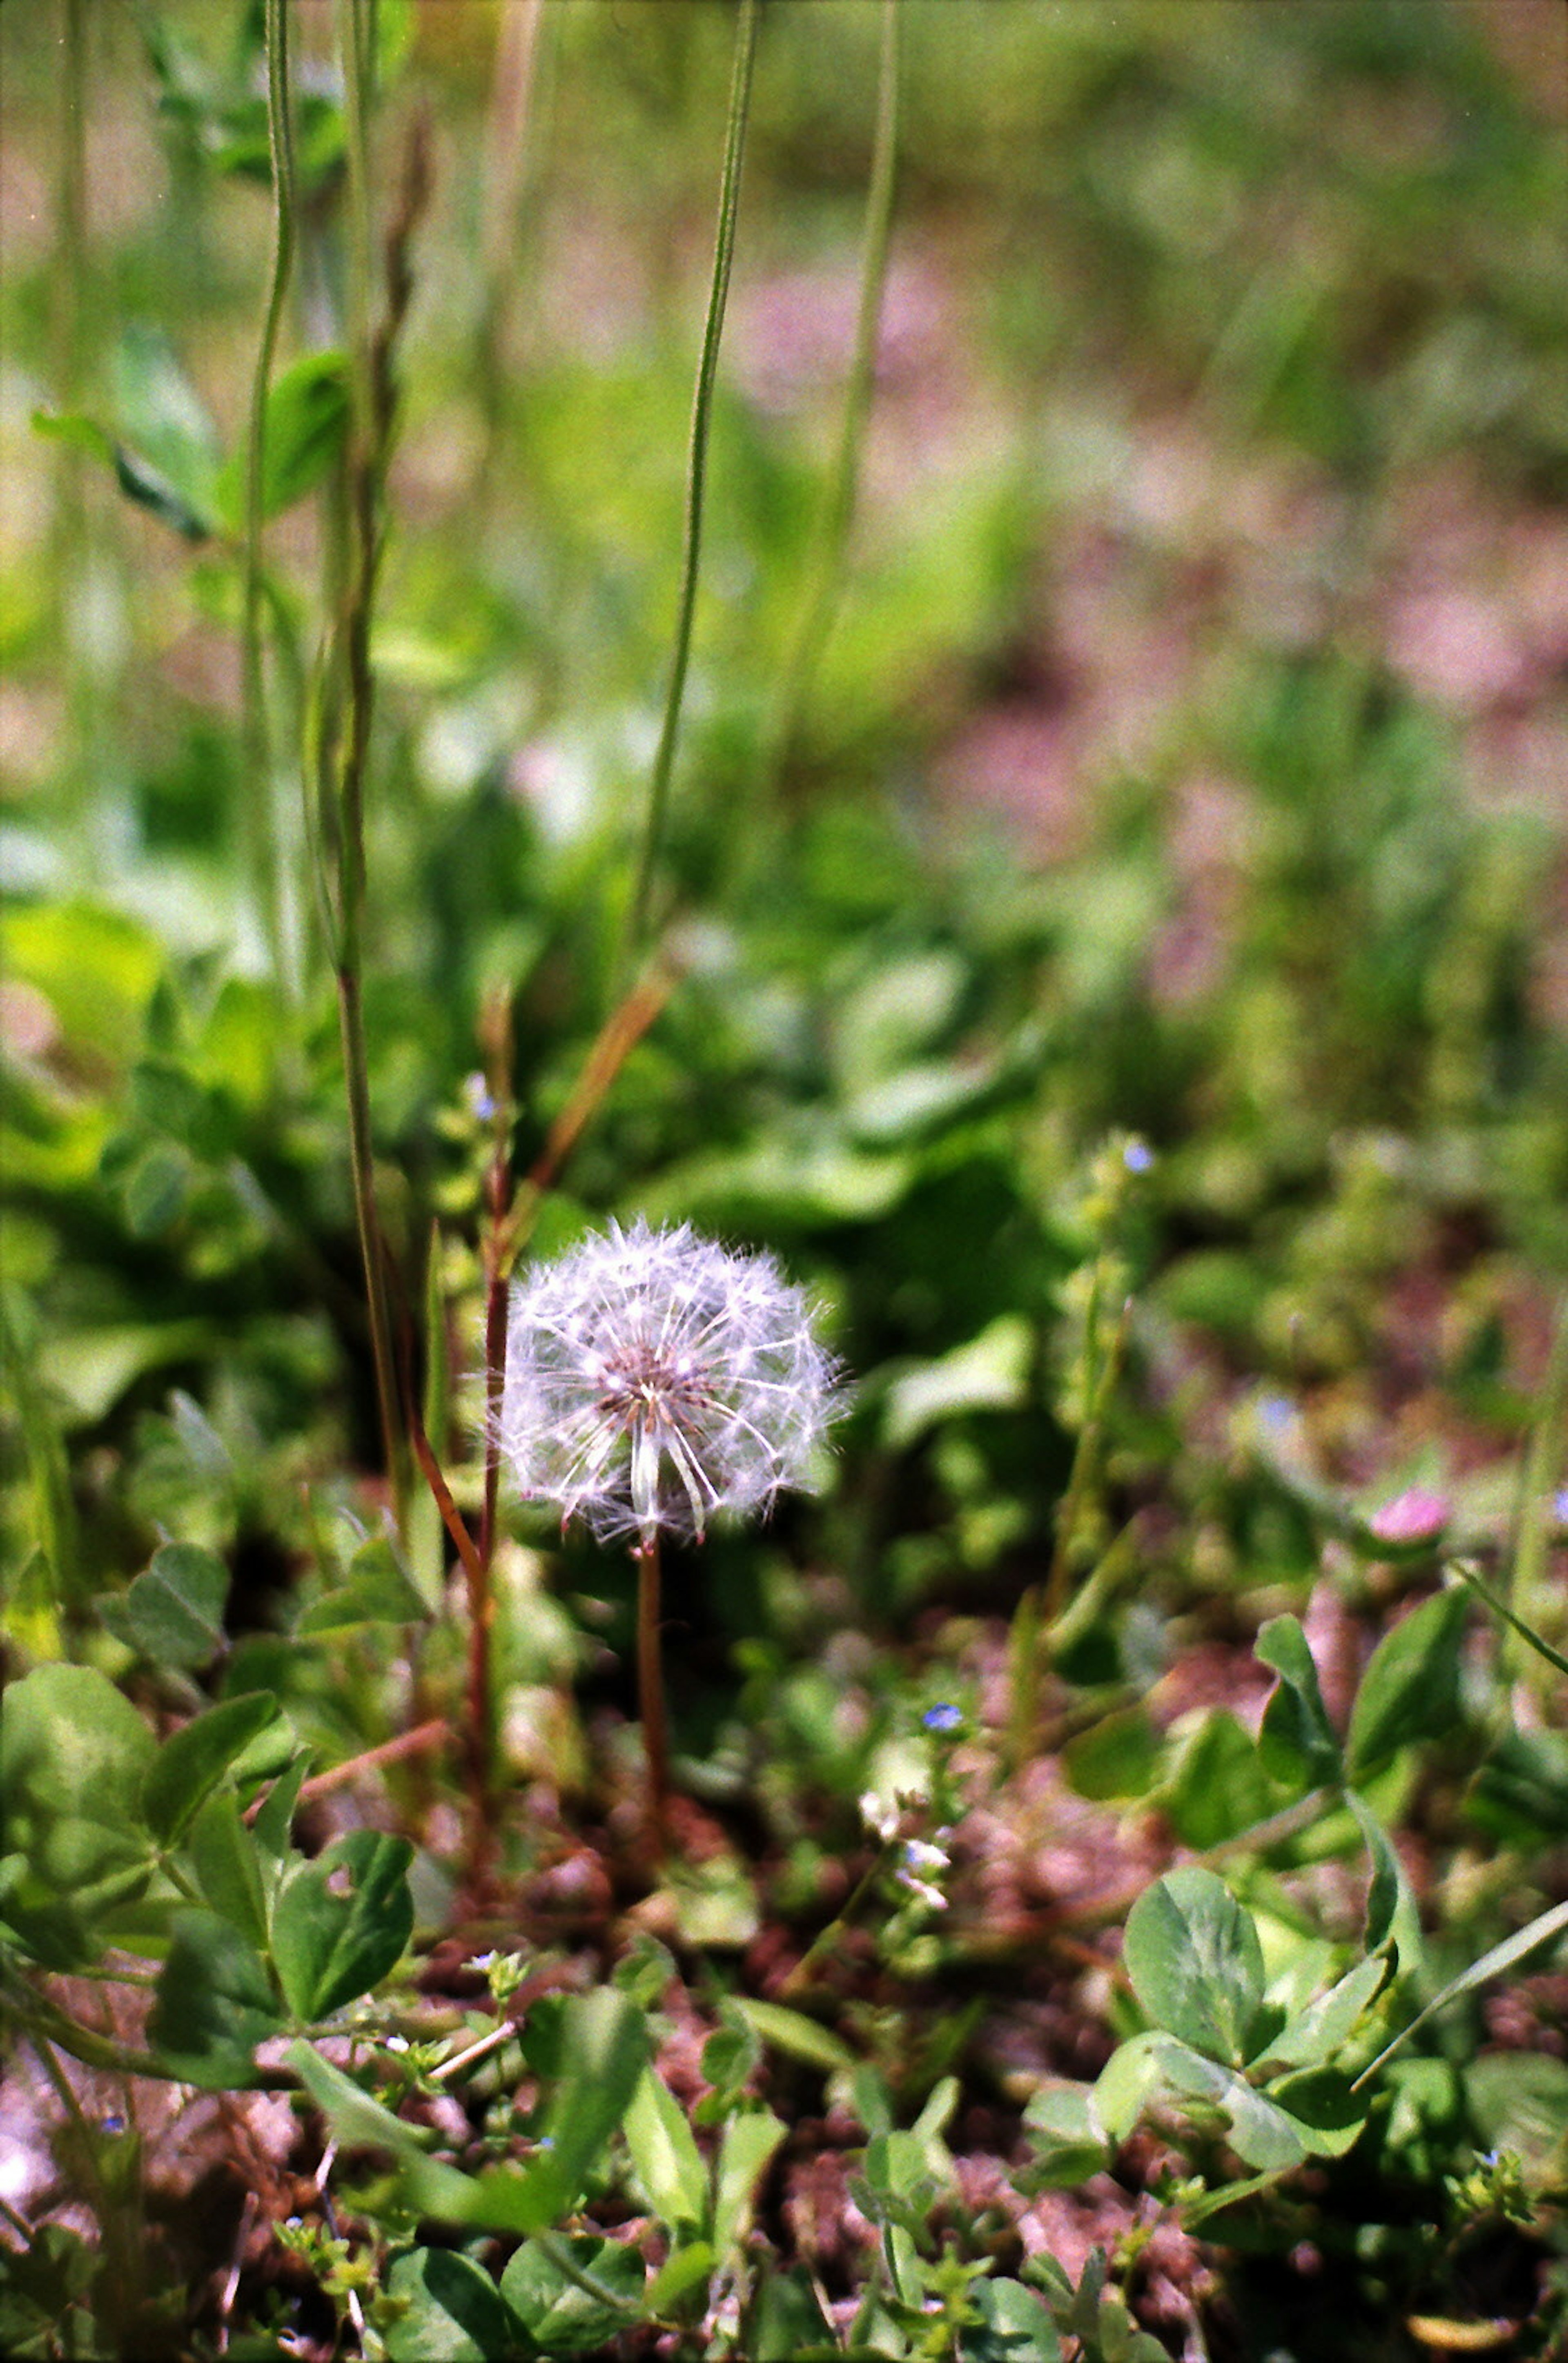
(651, 1693)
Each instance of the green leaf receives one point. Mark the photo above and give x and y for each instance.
(1410, 1690)
(1119, 1756)
(73, 1755)
(1519, 2101)
(1385, 1887)
(1492, 1963)
(686, 2267)
(786, 2320)
(275, 1818)
(453, 2312)
(228, 1864)
(1520, 1794)
(1218, 1786)
(356, 2117)
(1313, 2035)
(990, 1373)
(1014, 2325)
(377, 1592)
(341, 1923)
(1260, 2132)
(798, 2036)
(193, 1760)
(604, 2050)
(1296, 1741)
(664, 2156)
(172, 1613)
(572, 2293)
(1069, 2139)
(1196, 1967)
(308, 422)
(157, 1189)
(745, 2152)
(214, 2003)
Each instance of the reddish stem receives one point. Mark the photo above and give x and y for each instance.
(650, 1696)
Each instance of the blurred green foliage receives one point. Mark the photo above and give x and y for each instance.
(1184, 771)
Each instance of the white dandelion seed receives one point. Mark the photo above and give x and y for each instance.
(655, 1379)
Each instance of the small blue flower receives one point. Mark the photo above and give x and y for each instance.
(1138, 1157)
(943, 1717)
(476, 1092)
(1560, 1506)
(1277, 1413)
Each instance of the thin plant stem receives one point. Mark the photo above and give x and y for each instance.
(651, 1693)
(1527, 1588)
(640, 913)
(371, 392)
(817, 616)
(259, 795)
(825, 1939)
(518, 31)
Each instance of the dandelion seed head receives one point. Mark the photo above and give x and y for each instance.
(655, 1379)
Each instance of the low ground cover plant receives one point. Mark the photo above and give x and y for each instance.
(784, 1474)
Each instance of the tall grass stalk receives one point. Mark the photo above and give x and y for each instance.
(1528, 1590)
(640, 914)
(371, 414)
(825, 583)
(258, 792)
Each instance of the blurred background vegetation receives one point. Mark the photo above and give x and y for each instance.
(1186, 760)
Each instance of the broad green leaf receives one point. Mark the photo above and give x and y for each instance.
(273, 1822)
(744, 2153)
(193, 1760)
(798, 2036)
(1519, 2101)
(786, 2320)
(214, 2003)
(604, 2050)
(1313, 2035)
(901, 1008)
(1196, 1967)
(228, 1864)
(1218, 1786)
(356, 2117)
(376, 1591)
(1069, 2139)
(990, 1373)
(341, 1923)
(1385, 1887)
(1520, 1794)
(574, 2291)
(159, 411)
(666, 2159)
(1014, 2325)
(1296, 1741)
(1260, 2132)
(73, 1755)
(1128, 2080)
(307, 422)
(686, 2266)
(1411, 1689)
(1492, 1963)
(1119, 1756)
(1322, 2106)
(453, 2312)
(172, 1613)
